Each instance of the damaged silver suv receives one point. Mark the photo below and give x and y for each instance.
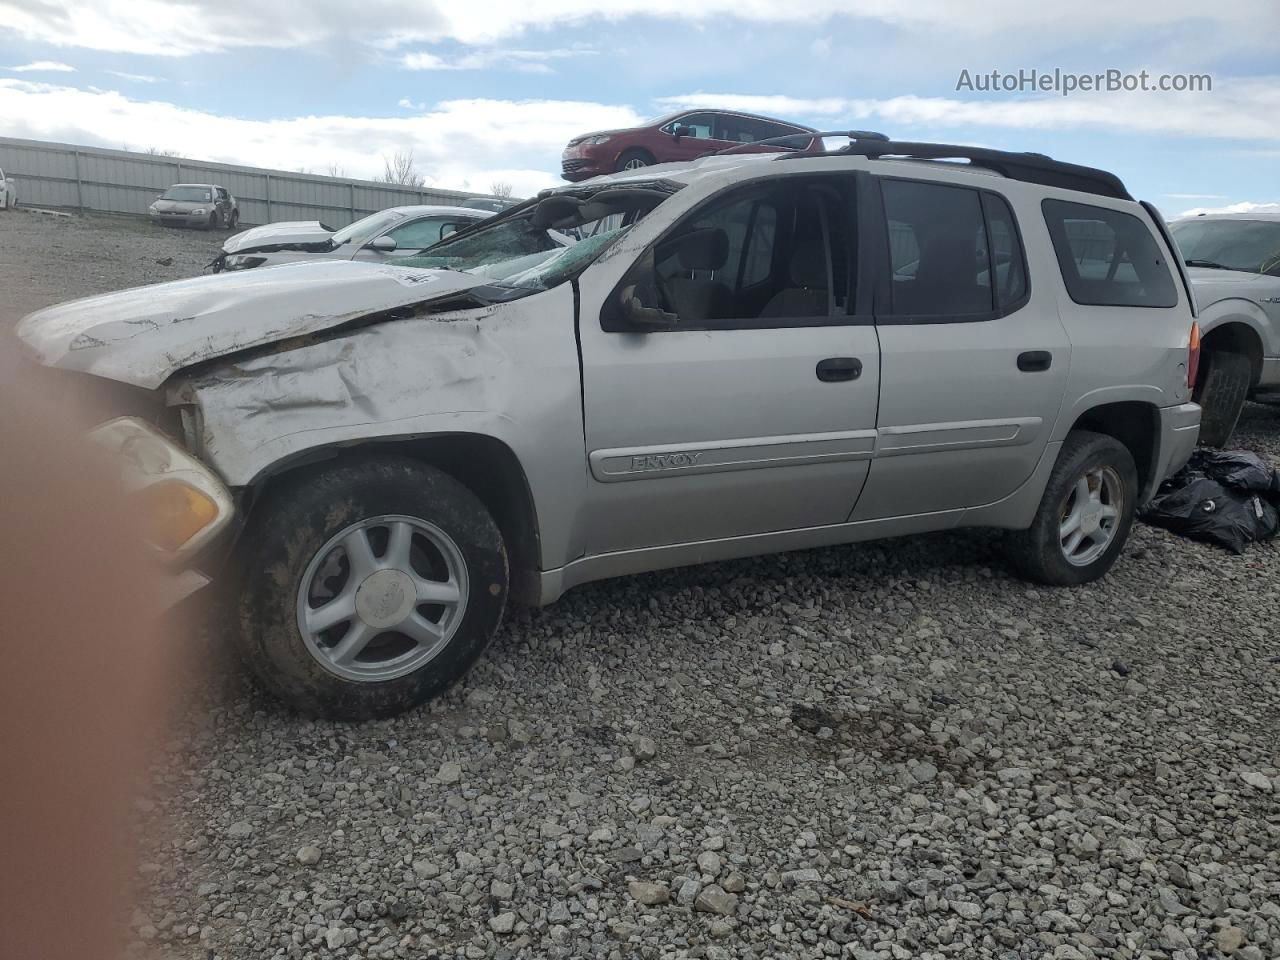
(744, 354)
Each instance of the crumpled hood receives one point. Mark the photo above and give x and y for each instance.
(301, 231)
(145, 335)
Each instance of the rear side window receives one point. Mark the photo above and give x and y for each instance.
(1108, 258)
(1009, 267)
(937, 250)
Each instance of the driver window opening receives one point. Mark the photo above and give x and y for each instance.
(766, 257)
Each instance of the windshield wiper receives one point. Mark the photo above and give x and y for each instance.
(1211, 264)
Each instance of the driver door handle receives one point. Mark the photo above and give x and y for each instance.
(1035, 361)
(836, 369)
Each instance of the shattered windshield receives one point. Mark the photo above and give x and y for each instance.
(362, 231)
(1252, 246)
(545, 244)
(188, 194)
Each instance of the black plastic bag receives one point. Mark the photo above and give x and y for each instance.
(1201, 508)
(1238, 469)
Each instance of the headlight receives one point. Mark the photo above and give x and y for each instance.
(242, 261)
(198, 212)
(603, 138)
(183, 504)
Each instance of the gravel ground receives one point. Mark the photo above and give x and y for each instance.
(885, 751)
(47, 259)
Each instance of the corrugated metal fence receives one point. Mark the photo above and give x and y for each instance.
(64, 176)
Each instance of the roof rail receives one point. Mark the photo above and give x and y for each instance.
(1028, 167)
(803, 138)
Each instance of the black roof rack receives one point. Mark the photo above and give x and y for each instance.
(1029, 167)
(798, 141)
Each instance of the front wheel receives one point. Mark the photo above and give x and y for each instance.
(1085, 513)
(233, 220)
(634, 159)
(1221, 390)
(368, 588)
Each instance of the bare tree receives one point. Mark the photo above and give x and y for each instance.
(401, 169)
(337, 170)
(500, 188)
(157, 152)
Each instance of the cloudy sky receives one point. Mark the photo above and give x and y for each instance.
(490, 90)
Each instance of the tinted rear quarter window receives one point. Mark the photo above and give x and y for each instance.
(937, 250)
(1108, 258)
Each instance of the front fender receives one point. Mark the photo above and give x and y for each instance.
(508, 372)
(1243, 311)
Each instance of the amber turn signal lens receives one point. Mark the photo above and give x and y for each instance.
(173, 513)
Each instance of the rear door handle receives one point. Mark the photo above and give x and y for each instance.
(834, 369)
(1035, 361)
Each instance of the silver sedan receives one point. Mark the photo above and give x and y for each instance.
(395, 232)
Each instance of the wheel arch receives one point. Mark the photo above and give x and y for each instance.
(1136, 424)
(1240, 327)
(487, 466)
(1236, 334)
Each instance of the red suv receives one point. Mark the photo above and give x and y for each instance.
(673, 138)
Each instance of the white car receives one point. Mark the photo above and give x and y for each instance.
(395, 232)
(8, 192)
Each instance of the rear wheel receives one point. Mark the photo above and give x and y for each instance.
(1085, 513)
(369, 588)
(1221, 388)
(634, 159)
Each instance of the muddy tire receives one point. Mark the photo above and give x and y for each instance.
(1084, 516)
(633, 159)
(367, 587)
(233, 221)
(1221, 389)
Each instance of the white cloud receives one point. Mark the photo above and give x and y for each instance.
(1242, 207)
(524, 61)
(1196, 196)
(409, 104)
(136, 77)
(462, 144)
(1237, 109)
(42, 66)
(177, 29)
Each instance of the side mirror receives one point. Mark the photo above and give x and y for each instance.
(638, 315)
(682, 130)
(382, 244)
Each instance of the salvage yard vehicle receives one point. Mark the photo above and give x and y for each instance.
(398, 231)
(8, 192)
(740, 355)
(196, 205)
(1234, 264)
(677, 137)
